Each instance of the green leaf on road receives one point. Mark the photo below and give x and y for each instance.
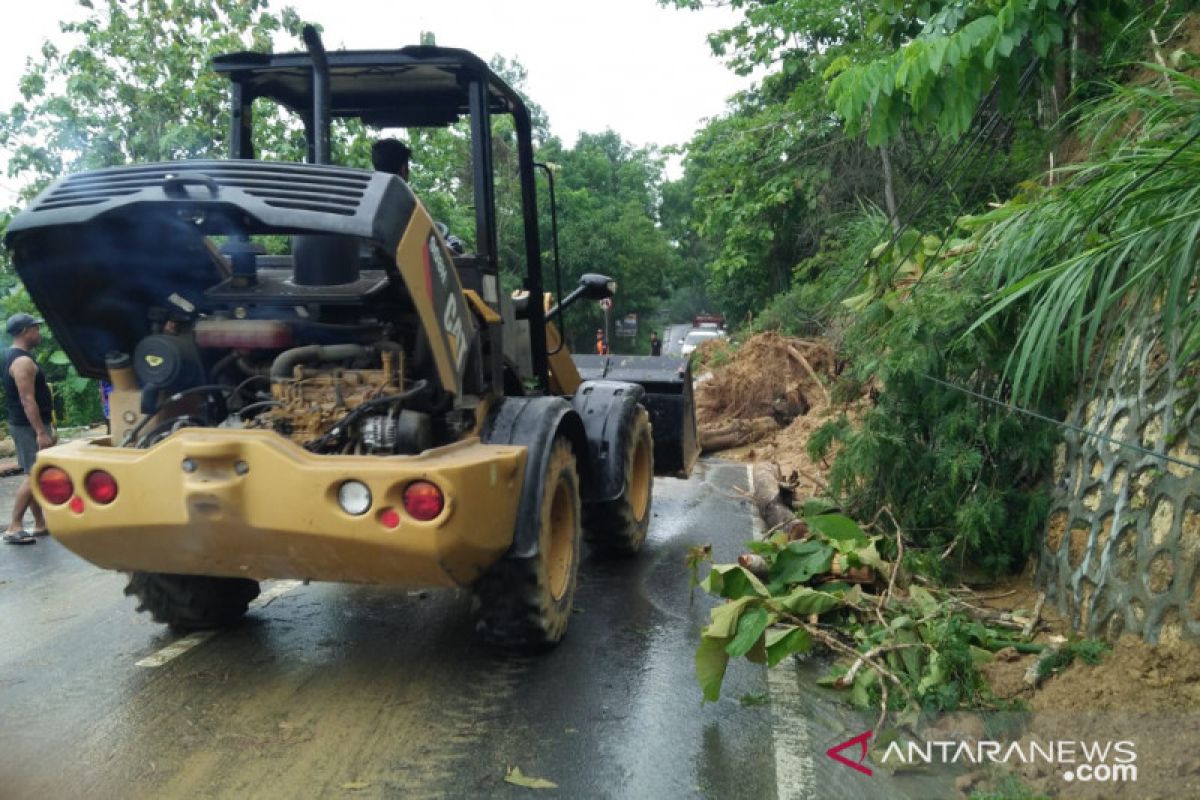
(516, 777)
(749, 630)
(711, 661)
(839, 528)
(803, 600)
(782, 642)
(799, 562)
(733, 581)
(725, 618)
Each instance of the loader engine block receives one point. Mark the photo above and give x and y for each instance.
(313, 399)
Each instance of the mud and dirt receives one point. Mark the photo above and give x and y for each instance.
(787, 379)
(1146, 695)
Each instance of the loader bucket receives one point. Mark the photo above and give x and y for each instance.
(668, 385)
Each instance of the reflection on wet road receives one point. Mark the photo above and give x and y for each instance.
(335, 690)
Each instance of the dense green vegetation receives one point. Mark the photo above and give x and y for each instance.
(961, 196)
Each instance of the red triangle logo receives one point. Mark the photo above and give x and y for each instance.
(861, 741)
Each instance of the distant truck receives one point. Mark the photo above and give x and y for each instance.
(708, 321)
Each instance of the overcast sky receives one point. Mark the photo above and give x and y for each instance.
(644, 71)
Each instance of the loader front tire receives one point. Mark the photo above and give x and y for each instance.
(525, 603)
(192, 602)
(618, 527)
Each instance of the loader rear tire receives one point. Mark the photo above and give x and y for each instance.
(192, 602)
(618, 528)
(525, 603)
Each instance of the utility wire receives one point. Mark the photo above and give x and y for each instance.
(955, 154)
(1025, 84)
(1059, 423)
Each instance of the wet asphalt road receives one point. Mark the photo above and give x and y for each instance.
(334, 690)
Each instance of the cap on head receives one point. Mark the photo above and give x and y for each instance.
(18, 322)
(390, 155)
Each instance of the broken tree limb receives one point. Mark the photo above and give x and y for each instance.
(771, 504)
(803, 362)
(738, 432)
(1039, 670)
(1027, 631)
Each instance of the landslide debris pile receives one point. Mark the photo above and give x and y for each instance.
(770, 381)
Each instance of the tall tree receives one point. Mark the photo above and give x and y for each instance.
(609, 195)
(134, 86)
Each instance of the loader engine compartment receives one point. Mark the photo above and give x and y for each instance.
(357, 395)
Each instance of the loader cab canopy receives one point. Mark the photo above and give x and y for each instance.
(417, 86)
(413, 87)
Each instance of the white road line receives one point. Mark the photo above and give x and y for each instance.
(278, 589)
(176, 648)
(794, 768)
(180, 646)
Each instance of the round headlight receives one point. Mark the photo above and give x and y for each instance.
(354, 497)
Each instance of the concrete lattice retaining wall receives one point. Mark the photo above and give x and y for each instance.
(1121, 552)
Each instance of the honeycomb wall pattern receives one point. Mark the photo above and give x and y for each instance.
(1121, 552)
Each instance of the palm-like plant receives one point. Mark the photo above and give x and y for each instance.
(1114, 243)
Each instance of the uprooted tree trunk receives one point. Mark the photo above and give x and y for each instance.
(735, 433)
(773, 502)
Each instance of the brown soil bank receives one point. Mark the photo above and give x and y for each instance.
(779, 388)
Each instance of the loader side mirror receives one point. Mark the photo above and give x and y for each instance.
(596, 286)
(592, 286)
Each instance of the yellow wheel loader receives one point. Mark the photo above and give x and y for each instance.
(369, 407)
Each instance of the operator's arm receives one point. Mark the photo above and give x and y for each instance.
(24, 371)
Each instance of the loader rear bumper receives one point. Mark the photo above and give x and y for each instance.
(246, 503)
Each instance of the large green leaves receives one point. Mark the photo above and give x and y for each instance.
(839, 528)
(751, 626)
(711, 662)
(799, 562)
(938, 77)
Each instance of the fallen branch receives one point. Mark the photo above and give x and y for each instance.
(1037, 671)
(833, 644)
(735, 433)
(818, 483)
(869, 656)
(977, 596)
(775, 512)
(1027, 631)
(796, 354)
(886, 598)
(991, 616)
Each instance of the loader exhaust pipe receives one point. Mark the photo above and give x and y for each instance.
(318, 148)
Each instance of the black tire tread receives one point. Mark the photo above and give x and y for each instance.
(514, 607)
(611, 529)
(192, 602)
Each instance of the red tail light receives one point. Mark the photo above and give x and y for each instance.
(423, 500)
(55, 485)
(389, 518)
(101, 486)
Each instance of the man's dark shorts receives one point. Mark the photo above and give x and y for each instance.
(25, 439)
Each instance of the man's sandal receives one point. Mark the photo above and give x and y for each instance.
(19, 537)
